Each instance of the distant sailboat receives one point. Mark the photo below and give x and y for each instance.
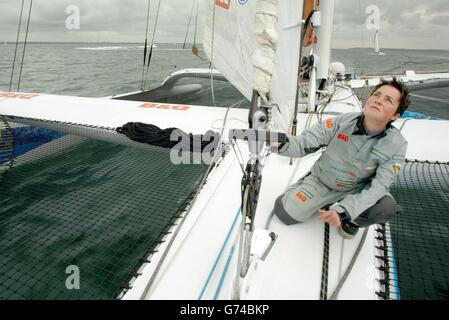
(376, 44)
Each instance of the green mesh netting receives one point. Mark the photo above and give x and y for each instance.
(99, 206)
(418, 267)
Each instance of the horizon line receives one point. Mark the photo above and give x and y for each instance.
(131, 42)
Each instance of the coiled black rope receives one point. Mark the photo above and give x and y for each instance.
(325, 269)
(170, 137)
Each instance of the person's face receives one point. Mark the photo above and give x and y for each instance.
(383, 104)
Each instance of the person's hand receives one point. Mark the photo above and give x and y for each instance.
(274, 139)
(331, 217)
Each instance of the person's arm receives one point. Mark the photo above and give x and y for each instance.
(311, 140)
(354, 204)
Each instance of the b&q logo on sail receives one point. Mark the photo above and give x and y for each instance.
(223, 3)
(13, 95)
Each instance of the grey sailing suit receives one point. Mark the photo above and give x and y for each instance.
(353, 175)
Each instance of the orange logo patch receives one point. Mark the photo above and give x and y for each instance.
(301, 197)
(223, 3)
(343, 137)
(150, 105)
(329, 123)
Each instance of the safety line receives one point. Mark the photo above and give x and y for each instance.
(225, 271)
(219, 255)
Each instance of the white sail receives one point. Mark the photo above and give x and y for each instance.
(376, 42)
(285, 73)
(230, 42)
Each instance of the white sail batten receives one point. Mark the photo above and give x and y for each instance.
(255, 45)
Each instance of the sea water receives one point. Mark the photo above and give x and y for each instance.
(105, 69)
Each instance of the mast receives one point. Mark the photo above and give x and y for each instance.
(323, 42)
(320, 53)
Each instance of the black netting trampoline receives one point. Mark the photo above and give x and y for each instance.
(417, 241)
(99, 206)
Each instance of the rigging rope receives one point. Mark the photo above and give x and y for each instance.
(212, 56)
(145, 49)
(24, 46)
(298, 80)
(349, 268)
(194, 48)
(188, 25)
(152, 43)
(17, 43)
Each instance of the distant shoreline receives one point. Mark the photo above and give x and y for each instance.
(189, 44)
(68, 42)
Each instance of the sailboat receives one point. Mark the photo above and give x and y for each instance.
(376, 44)
(226, 244)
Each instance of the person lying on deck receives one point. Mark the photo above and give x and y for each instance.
(349, 185)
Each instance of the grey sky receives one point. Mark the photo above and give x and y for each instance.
(403, 23)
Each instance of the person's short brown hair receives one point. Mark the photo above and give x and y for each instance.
(404, 101)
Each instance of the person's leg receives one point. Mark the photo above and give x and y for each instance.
(303, 199)
(384, 210)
